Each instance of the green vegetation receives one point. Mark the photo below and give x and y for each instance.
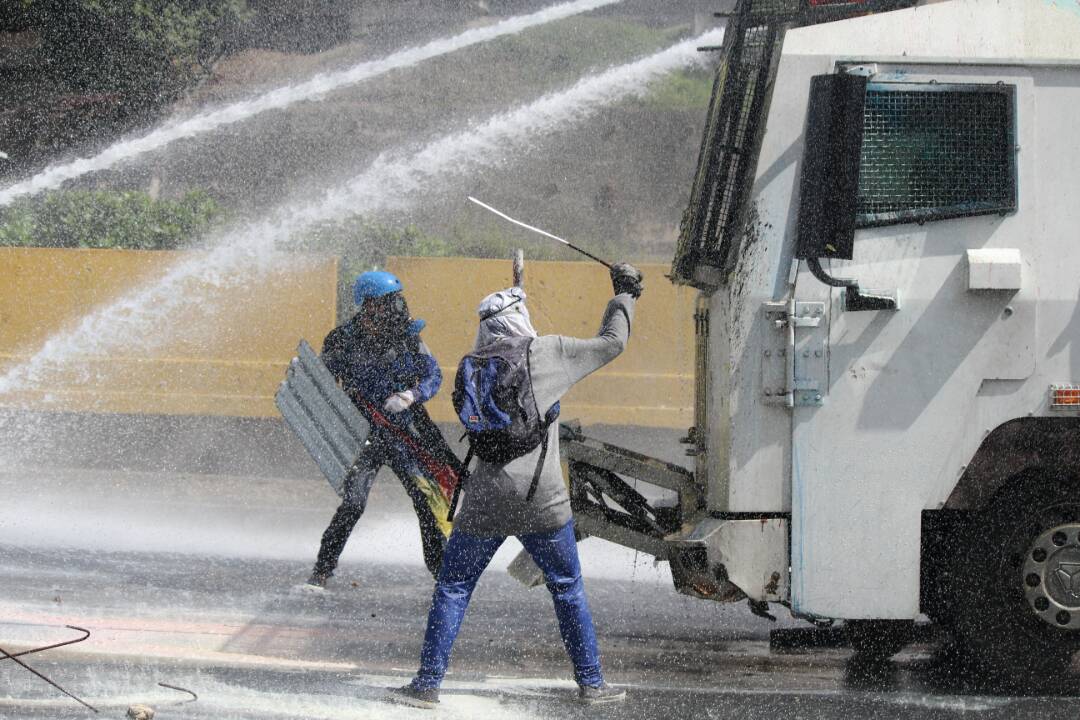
(107, 219)
(145, 52)
(365, 245)
(681, 90)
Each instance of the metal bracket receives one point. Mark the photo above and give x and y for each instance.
(809, 356)
(856, 300)
(607, 506)
(794, 370)
(775, 354)
(867, 70)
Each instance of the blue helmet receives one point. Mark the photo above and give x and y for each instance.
(373, 284)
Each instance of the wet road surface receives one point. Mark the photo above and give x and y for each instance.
(189, 579)
(236, 633)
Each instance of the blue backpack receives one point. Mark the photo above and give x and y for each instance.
(493, 397)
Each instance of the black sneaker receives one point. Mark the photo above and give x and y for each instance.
(602, 693)
(408, 695)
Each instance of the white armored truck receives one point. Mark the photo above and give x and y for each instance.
(884, 230)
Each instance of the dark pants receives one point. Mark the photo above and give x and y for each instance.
(466, 557)
(357, 487)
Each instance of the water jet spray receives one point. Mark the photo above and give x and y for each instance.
(314, 88)
(389, 183)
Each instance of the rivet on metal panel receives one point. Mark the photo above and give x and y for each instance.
(768, 353)
(817, 398)
(1008, 311)
(768, 392)
(817, 353)
(806, 353)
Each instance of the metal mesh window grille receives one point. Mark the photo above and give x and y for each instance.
(729, 151)
(936, 151)
(747, 74)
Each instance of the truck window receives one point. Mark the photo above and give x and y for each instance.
(936, 151)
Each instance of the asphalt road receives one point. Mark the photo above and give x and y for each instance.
(188, 579)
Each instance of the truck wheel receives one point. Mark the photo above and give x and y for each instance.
(1015, 582)
(878, 640)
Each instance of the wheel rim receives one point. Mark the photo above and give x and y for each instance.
(1051, 577)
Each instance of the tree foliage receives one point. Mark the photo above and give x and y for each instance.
(107, 219)
(145, 51)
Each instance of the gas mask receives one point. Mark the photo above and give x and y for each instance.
(385, 318)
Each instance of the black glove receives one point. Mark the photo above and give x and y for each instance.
(625, 278)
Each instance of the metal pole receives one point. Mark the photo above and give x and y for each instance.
(4, 655)
(86, 634)
(519, 268)
(567, 243)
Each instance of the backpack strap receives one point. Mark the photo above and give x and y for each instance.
(546, 422)
(539, 466)
(461, 481)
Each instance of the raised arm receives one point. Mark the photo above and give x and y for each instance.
(563, 361)
(583, 356)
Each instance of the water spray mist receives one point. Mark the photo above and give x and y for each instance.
(392, 182)
(313, 89)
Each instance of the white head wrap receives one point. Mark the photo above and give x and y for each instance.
(503, 314)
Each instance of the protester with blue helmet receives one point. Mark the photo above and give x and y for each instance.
(384, 366)
(375, 284)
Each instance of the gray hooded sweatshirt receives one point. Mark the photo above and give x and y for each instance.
(493, 498)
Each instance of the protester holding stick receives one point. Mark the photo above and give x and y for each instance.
(523, 493)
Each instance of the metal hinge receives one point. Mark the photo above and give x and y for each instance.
(794, 370)
(809, 359)
(775, 354)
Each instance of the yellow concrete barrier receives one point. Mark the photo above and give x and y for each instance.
(226, 354)
(651, 384)
(222, 355)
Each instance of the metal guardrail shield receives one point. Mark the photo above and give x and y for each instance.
(322, 416)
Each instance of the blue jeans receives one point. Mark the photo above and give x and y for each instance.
(464, 560)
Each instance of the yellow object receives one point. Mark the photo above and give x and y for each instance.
(222, 355)
(440, 506)
(227, 353)
(651, 384)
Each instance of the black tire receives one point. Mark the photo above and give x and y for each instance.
(995, 628)
(878, 640)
